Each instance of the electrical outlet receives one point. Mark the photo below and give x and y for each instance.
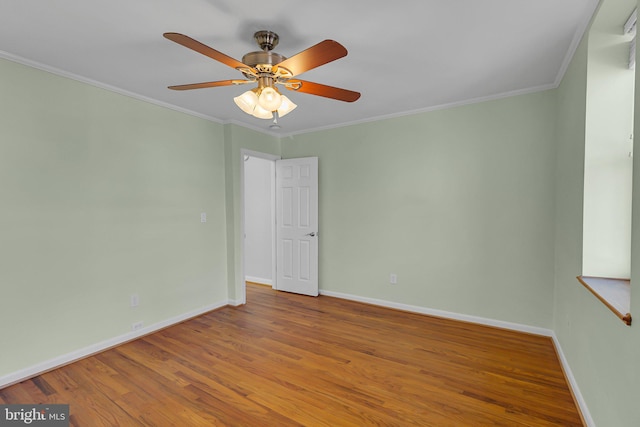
(203, 217)
(135, 301)
(137, 325)
(393, 278)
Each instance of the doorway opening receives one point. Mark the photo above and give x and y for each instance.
(258, 218)
(279, 227)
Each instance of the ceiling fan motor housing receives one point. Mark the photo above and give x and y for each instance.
(264, 60)
(260, 57)
(267, 40)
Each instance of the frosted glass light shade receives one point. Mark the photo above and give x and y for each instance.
(261, 113)
(286, 106)
(270, 99)
(247, 101)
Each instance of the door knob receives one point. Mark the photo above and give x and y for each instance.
(312, 234)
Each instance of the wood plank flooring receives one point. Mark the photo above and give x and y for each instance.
(291, 360)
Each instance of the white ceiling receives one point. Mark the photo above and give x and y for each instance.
(404, 56)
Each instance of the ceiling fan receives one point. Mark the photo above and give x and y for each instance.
(268, 69)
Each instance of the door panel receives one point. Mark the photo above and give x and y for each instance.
(297, 225)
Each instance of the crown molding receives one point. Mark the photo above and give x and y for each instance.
(446, 106)
(63, 73)
(581, 30)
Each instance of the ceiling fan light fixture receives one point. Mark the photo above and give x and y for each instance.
(286, 106)
(249, 103)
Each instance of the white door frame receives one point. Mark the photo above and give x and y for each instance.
(271, 157)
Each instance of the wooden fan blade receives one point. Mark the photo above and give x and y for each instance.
(322, 90)
(320, 54)
(192, 44)
(209, 84)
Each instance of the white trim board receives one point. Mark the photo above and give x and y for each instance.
(65, 359)
(445, 106)
(573, 384)
(66, 74)
(442, 313)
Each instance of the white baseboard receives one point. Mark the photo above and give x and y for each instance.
(573, 384)
(489, 322)
(65, 359)
(441, 313)
(260, 280)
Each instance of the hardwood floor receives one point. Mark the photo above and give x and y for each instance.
(290, 360)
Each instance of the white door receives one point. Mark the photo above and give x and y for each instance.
(297, 225)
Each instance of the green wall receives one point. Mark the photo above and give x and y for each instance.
(459, 203)
(100, 198)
